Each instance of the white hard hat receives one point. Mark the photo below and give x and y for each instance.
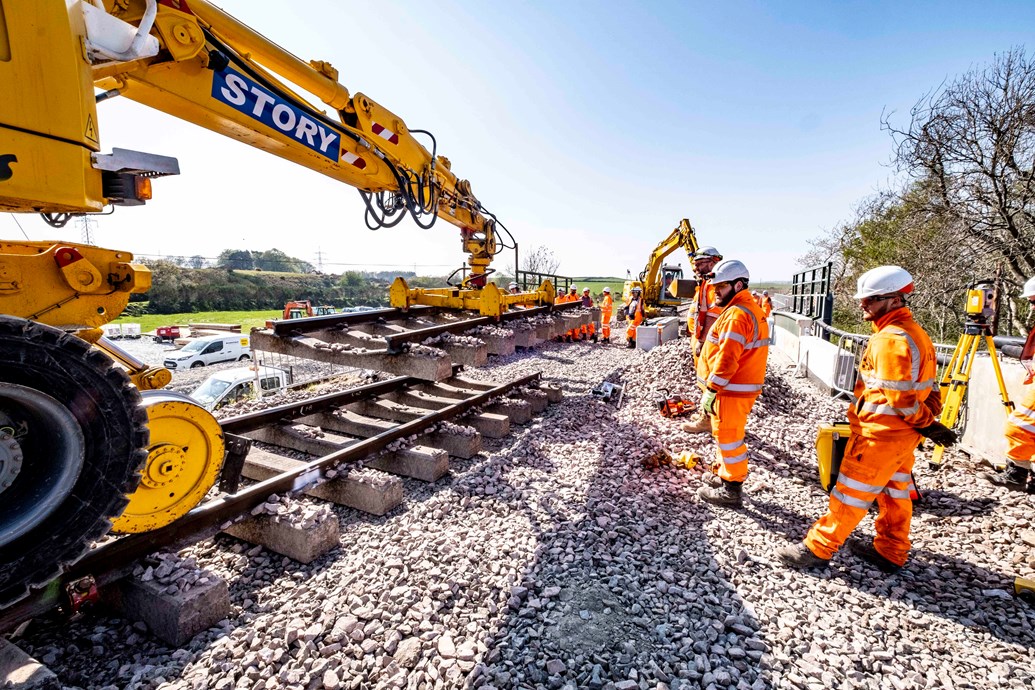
(729, 270)
(765, 292)
(607, 289)
(585, 289)
(884, 280)
(637, 289)
(707, 253)
(574, 288)
(1029, 288)
(512, 286)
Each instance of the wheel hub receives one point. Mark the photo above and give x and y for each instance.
(164, 465)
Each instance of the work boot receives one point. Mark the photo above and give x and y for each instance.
(630, 343)
(1014, 477)
(800, 556)
(728, 494)
(871, 555)
(698, 424)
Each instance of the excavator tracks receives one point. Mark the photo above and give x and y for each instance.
(405, 426)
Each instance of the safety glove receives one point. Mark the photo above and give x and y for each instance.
(939, 433)
(708, 402)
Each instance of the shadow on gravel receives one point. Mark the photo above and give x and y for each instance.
(624, 590)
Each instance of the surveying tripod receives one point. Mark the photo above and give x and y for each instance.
(977, 326)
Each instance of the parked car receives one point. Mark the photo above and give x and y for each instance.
(232, 385)
(209, 350)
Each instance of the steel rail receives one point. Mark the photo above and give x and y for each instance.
(309, 324)
(113, 560)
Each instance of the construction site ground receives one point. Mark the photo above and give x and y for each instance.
(561, 557)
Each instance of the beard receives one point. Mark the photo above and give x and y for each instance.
(726, 299)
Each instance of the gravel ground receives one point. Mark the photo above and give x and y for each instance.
(560, 558)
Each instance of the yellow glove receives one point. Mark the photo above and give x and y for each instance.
(708, 402)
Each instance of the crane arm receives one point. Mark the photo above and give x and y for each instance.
(192, 60)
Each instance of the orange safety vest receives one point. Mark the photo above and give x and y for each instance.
(734, 355)
(606, 305)
(897, 391)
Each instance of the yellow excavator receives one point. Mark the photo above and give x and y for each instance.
(662, 284)
(84, 427)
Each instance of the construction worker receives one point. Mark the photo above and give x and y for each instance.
(514, 289)
(633, 315)
(766, 303)
(588, 330)
(606, 307)
(703, 313)
(897, 402)
(1020, 425)
(732, 370)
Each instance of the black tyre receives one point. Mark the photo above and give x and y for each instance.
(244, 358)
(76, 421)
(195, 365)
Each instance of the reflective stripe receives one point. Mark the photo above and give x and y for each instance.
(736, 460)
(754, 344)
(889, 410)
(1022, 425)
(731, 446)
(1026, 411)
(737, 337)
(716, 379)
(858, 485)
(874, 382)
(901, 477)
(744, 387)
(902, 494)
(851, 500)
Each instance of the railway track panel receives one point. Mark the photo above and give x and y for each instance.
(362, 442)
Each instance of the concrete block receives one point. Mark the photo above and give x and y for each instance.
(418, 462)
(488, 424)
(500, 345)
(172, 618)
(553, 393)
(525, 337)
(19, 671)
(462, 354)
(361, 426)
(287, 539)
(366, 490)
(460, 382)
(536, 398)
(519, 411)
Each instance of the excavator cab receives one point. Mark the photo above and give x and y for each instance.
(669, 275)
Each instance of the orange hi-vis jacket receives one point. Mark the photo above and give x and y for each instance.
(704, 304)
(897, 391)
(734, 355)
(606, 306)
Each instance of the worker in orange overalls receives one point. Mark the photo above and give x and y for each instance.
(606, 308)
(732, 370)
(766, 303)
(633, 315)
(897, 401)
(703, 313)
(573, 296)
(1020, 425)
(589, 330)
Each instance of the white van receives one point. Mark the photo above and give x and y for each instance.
(231, 385)
(209, 350)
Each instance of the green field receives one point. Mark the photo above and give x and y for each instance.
(247, 319)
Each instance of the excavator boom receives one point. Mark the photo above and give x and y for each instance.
(656, 277)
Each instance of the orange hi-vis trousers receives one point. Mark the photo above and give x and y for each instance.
(728, 431)
(871, 470)
(630, 332)
(605, 323)
(1020, 433)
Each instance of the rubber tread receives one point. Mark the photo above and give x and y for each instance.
(114, 423)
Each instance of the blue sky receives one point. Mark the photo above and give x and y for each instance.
(590, 127)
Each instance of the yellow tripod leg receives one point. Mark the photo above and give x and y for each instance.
(954, 386)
